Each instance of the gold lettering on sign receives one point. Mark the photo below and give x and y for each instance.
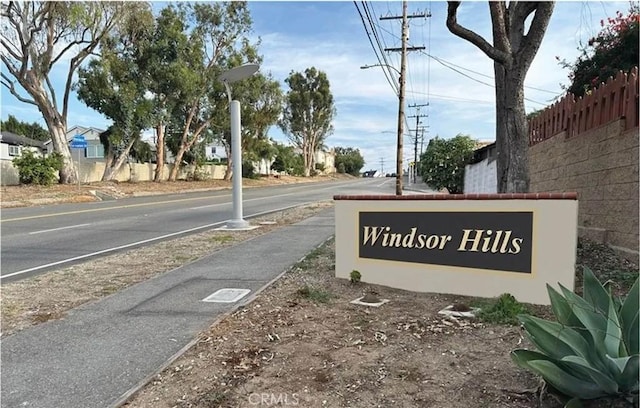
(492, 241)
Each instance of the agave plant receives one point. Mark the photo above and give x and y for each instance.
(591, 351)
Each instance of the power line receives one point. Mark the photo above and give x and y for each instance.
(393, 86)
(445, 62)
(368, 12)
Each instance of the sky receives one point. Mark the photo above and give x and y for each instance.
(451, 75)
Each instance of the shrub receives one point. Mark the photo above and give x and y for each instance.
(355, 276)
(248, 171)
(503, 310)
(34, 169)
(591, 351)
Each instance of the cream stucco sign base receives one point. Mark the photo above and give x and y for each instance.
(467, 247)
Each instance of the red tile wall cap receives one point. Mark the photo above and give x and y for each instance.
(502, 196)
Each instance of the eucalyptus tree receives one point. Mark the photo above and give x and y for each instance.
(114, 86)
(37, 36)
(165, 68)
(218, 30)
(308, 114)
(516, 40)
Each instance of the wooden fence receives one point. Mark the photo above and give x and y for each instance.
(614, 100)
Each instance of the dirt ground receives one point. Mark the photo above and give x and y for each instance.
(302, 343)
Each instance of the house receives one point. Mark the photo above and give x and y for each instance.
(12, 146)
(480, 176)
(327, 160)
(94, 149)
(215, 152)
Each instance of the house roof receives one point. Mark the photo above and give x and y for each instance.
(17, 140)
(481, 153)
(78, 130)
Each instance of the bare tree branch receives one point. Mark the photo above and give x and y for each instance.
(52, 92)
(499, 22)
(533, 39)
(475, 39)
(8, 46)
(11, 86)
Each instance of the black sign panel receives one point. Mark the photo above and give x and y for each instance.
(483, 240)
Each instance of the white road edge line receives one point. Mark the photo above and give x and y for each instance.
(58, 229)
(104, 251)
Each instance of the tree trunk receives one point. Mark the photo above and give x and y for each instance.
(305, 159)
(177, 163)
(108, 165)
(228, 172)
(112, 168)
(512, 142)
(68, 171)
(159, 152)
(57, 125)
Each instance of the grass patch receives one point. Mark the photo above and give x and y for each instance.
(221, 239)
(321, 251)
(501, 310)
(315, 295)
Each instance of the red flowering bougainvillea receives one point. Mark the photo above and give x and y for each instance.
(614, 49)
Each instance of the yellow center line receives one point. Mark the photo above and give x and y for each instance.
(31, 217)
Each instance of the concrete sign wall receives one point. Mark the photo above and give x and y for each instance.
(475, 245)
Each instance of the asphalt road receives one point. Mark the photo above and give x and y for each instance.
(38, 239)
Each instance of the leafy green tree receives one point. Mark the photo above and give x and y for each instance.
(30, 130)
(162, 65)
(33, 169)
(286, 160)
(112, 85)
(518, 28)
(614, 49)
(443, 162)
(37, 36)
(308, 114)
(349, 160)
(218, 33)
(141, 151)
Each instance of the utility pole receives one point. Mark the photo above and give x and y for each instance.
(402, 80)
(415, 140)
(382, 165)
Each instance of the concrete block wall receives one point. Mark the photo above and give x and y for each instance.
(601, 165)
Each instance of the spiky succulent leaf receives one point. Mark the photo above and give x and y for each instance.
(629, 318)
(591, 318)
(562, 309)
(574, 403)
(594, 293)
(629, 380)
(577, 365)
(613, 337)
(522, 357)
(565, 382)
(554, 339)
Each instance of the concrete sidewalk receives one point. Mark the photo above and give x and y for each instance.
(419, 188)
(102, 350)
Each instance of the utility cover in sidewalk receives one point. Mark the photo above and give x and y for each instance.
(227, 295)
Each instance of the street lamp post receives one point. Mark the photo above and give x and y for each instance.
(400, 123)
(227, 78)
